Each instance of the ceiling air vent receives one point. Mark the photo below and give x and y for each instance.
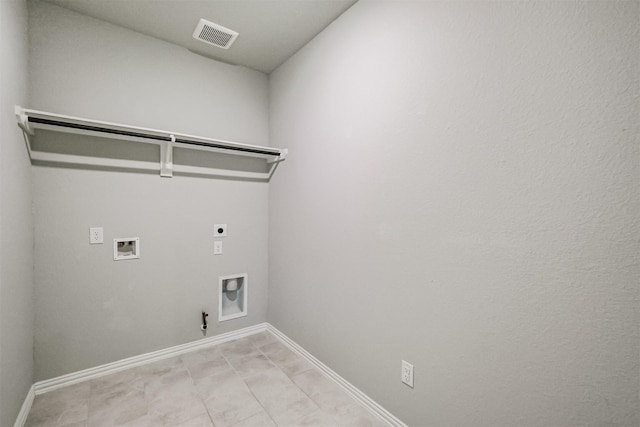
(214, 34)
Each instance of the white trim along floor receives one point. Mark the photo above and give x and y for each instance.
(255, 376)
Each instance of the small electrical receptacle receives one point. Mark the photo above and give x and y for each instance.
(96, 235)
(407, 373)
(217, 247)
(220, 230)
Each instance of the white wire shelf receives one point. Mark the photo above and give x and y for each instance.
(31, 120)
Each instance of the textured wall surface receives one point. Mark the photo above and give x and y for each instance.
(16, 227)
(90, 309)
(462, 193)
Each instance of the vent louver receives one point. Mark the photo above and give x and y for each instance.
(214, 34)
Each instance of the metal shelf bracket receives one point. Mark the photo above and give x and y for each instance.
(166, 157)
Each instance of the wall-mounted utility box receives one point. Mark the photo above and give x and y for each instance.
(126, 248)
(232, 297)
(220, 230)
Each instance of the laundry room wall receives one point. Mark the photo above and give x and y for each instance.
(462, 194)
(16, 227)
(89, 309)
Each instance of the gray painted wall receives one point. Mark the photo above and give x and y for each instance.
(91, 310)
(462, 193)
(16, 227)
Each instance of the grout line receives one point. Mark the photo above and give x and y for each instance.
(290, 378)
(235, 371)
(249, 388)
(314, 401)
(299, 388)
(206, 408)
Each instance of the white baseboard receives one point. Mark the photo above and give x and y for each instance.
(120, 365)
(143, 359)
(349, 388)
(26, 407)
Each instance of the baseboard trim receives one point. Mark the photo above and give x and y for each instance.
(120, 365)
(349, 388)
(26, 407)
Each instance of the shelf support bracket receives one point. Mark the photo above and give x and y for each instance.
(23, 120)
(23, 123)
(166, 157)
(280, 158)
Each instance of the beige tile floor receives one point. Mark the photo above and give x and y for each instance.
(250, 382)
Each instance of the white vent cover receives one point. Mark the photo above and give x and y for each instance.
(214, 34)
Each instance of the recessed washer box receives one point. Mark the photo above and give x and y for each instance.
(232, 296)
(126, 248)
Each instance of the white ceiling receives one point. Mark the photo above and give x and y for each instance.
(270, 30)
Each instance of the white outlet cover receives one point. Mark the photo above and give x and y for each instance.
(217, 247)
(96, 235)
(407, 373)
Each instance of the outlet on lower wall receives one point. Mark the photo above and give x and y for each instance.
(407, 373)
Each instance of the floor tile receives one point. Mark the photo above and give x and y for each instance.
(238, 348)
(161, 367)
(227, 398)
(117, 399)
(204, 355)
(333, 400)
(263, 338)
(78, 424)
(125, 413)
(277, 352)
(261, 419)
(219, 383)
(179, 377)
(143, 421)
(232, 406)
(174, 400)
(65, 406)
(251, 365)
(204, 368)
(116, 395)
(280, 397)
(323, 391)
(354, 415)
(109, 383)
(316, 419)
(295, 367)
(290, 363)
(200, 421)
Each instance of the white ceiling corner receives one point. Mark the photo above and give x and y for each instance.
(270, 30)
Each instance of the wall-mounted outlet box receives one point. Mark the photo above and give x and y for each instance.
(407, 373)
(219, 230)
(96, 235)
(126, 248)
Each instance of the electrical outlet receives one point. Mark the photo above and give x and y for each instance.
(96, 236)
(407, 373)
(217, 247)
